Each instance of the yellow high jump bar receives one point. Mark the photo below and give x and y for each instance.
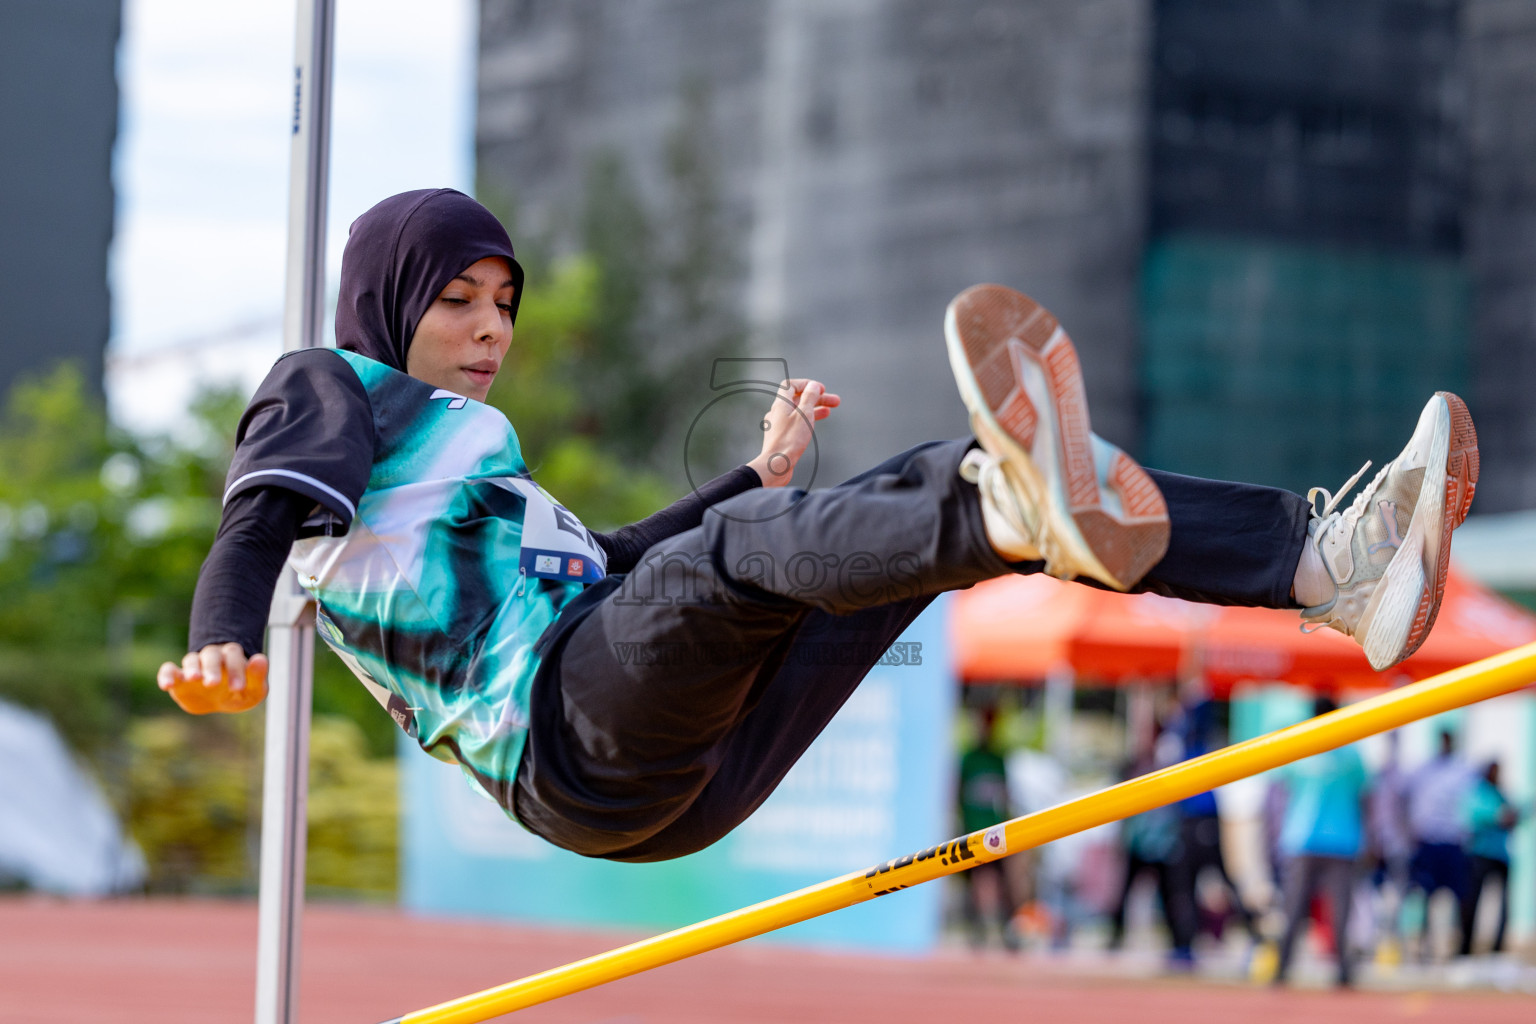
(1491, 677)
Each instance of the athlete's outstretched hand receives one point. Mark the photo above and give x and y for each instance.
(217, 678)
(800, 403)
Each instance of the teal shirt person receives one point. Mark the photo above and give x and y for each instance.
(1152, 836)
(435, 561)
(453, 564)
(983, 789)
(1488, 822)
(1323, 814)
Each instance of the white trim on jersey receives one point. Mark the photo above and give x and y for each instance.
(325, 488)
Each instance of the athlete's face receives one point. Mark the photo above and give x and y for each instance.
(464, 334)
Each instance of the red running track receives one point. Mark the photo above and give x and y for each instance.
(193, 962)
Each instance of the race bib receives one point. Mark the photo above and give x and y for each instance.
(556, 546)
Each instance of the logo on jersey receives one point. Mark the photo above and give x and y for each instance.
(555, 544)
(556, 565)
(455, 401)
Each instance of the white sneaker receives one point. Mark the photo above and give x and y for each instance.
(1049, 487)
(1388, 553)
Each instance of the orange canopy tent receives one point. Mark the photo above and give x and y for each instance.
(1026, 627)
(1021, 628)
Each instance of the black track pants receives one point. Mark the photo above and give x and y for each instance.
(673, 700)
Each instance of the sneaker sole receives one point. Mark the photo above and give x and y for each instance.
(1462, 465)
(1019, 376)
(1416, 578)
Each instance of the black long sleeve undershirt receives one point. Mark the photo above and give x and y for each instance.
(625, 545)
(260, 524)
(236, 582)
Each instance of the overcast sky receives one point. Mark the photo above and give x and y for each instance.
(202, 172)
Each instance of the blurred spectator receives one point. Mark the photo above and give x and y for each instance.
(1490, 817)
(1438, 821)
(1150, 841)
(983, 802)
(1045, 879)
(1321, 837)
(1389, 840)
(1199, 849)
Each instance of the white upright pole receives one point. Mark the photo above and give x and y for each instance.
(291, 637)
(1060, 683)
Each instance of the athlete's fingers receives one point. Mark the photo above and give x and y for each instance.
(255, 684)
(799, 384)
(824, 397)
(182, 684)
(234, 666)
(169, 675)
(215, 658)
(211, 664)
(785, 411)
(810, 398)
(794, 389)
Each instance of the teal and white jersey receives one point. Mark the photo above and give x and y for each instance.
(435, 577)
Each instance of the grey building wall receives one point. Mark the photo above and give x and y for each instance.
(1310, 121)
(1385, 152)
(58, 121)
(1500, 54)
(879, 156)
(1305, 290)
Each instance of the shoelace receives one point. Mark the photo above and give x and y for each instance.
(1331, 518)
(1360, 499)
(985, 470)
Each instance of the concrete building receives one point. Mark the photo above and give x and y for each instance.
(1272, 228)
(1304, 287)
(58, 117)
(878, 157)
(1499, 46)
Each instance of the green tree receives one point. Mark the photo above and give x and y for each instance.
(101, 537)
(194, 800)
(538, 389)
(636, 321)
(667, 283)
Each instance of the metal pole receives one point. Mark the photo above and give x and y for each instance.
(284, 808)
(291, 637)
(1060, 685)
(1491, 677)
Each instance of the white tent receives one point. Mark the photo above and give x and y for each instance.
(57, 832)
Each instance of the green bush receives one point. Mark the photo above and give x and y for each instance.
(193, 792)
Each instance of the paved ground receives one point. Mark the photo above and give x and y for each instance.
(192, 962)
